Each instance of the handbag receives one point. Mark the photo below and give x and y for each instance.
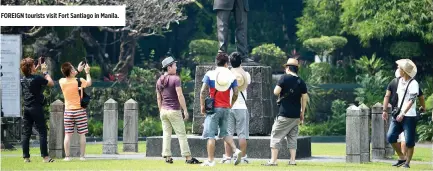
(210, 104)
(396, 111)
(84, 98)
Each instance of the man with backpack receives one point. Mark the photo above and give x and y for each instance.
(293, 98)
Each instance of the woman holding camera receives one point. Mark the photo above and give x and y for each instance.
(32, 89)
(75, 114)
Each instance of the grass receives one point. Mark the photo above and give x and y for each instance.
(13, 161)
(339, 149)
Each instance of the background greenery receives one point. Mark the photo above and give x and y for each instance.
(356, 40)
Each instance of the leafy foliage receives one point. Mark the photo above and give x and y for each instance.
(338, 41)
(203, 50)
(372, 88)
(369, 66)
(320, 73)
(270, 55)
(150, 126)
(405, 49)
(321, 46)
(320, 18)
(425, 131)
(379, 19)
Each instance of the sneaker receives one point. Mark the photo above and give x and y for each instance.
(399, 163)
(293, 163)
(226, 160)
(237, 156)
(269, 164)
(406, 166)
(26, 160)
(82, 158)
(193, 161)
(245, 159)
(207, 163)
(67, 159)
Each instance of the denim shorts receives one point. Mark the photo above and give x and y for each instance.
(408, 126)
(216, 121)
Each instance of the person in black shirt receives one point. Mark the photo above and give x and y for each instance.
(32, 88)
(293, 98)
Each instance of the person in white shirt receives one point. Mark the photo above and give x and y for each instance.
(405, 119)
(238, 120)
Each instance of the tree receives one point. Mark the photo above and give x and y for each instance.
(143, 18)
(379, 19)
(319, 18)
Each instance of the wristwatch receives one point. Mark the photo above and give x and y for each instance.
(45, 73)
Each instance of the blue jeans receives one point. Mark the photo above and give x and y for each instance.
(213, 121)
(408, 125)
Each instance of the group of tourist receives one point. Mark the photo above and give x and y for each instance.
(225, 112)
(75, 115)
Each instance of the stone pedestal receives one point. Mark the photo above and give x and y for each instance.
(110, 127)
(357, 135)
(130, 126)
(57, 131)
(75, 144)
(258, 147)
(378, 140)
(260, 100)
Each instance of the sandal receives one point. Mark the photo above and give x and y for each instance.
(193, 161)
(50, 160)
(169, 160)
(26, 160)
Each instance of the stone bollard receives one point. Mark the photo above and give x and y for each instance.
(110, 127)
(57, 131)
(130, 126)
(389, 151)
(75, 144)
(378, 132)
(357, 142)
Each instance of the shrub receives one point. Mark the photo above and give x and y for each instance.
(372, 88)
(151, 126)
(203, 50)
(271, 55)
(405, 49)
(320, 73)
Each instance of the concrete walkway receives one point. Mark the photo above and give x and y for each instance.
(139, 156)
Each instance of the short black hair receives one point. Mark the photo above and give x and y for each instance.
(222, 59)
(293, 68)
(235, 59)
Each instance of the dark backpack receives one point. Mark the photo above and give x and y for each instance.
(84, 98)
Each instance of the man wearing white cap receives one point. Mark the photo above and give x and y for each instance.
(238, 120)
(404, 116)
(217, 108)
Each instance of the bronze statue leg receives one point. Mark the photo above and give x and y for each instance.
(241, 29)
(223, 17)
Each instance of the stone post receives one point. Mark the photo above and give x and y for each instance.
(357, 142)
(378, 132)
(110, 127)
(365, 133)
(130, 126)
(389, 151)
(57, 131)
(75, 144)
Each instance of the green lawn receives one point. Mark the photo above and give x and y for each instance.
(15, 162)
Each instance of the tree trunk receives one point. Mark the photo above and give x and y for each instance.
(96, 50)
(126, 56)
